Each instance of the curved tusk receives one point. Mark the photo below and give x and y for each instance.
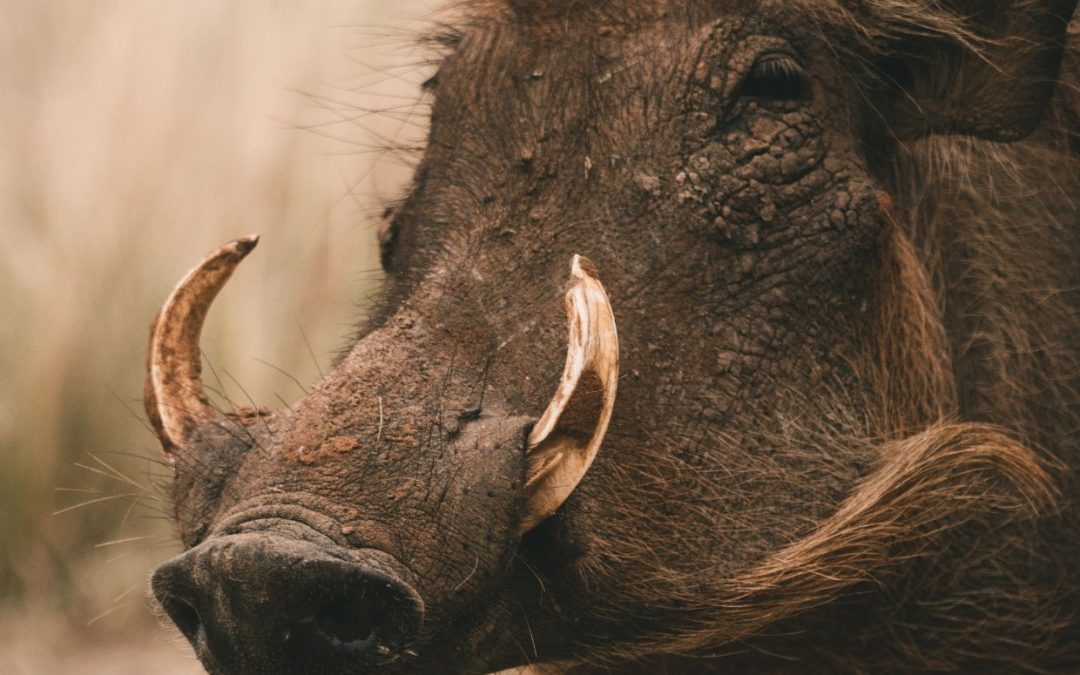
(174, 398)
(567, 438)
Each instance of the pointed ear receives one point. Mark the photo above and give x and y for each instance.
(986, 68)
(566, 439)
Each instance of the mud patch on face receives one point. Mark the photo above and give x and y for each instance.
(332, 447)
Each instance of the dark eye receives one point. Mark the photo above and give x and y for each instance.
(776, 76)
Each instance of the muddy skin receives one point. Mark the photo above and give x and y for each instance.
(846, 431)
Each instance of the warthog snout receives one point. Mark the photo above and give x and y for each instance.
(247, 600)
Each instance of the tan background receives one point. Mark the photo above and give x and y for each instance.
(135, 136)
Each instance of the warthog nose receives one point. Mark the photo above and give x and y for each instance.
(250, 599)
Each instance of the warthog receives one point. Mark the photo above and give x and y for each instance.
(837, 426)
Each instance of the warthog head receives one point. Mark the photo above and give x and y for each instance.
(475, 486)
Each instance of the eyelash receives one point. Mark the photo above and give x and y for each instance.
(776, 76)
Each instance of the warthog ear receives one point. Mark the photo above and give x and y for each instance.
(564, 443)
(986, 68)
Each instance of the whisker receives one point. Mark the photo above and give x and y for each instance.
(97, 501)
(310, 351)
(286, 374)
(126, 540)
(119, 474)
(127, 515)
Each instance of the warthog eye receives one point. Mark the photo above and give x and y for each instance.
(775, 76)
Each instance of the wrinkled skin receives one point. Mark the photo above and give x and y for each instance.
(752, 242)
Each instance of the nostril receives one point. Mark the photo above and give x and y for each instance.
(366, 616)
(172, 585)
(354, 621)
(349, 621)
(185, 616)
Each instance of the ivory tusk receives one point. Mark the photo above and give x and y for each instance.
(174, 398)
(567, 438)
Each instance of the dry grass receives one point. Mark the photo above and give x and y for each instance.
(136, 136)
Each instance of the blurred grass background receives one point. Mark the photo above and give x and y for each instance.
(136, 136)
